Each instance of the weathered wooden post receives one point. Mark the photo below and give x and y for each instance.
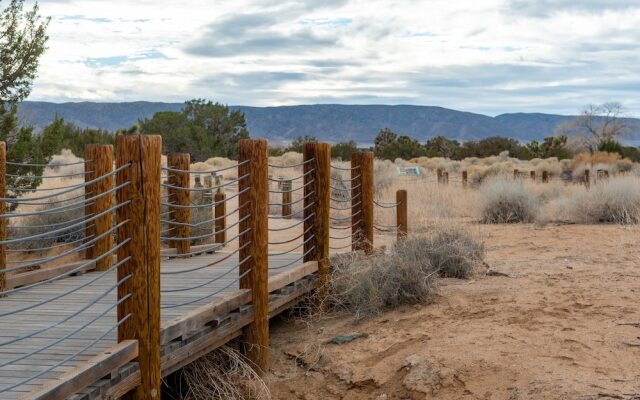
(286, 199)
(587, 179)
(99, 162)
(3, 210)
(545, 176)
(180, 197)
(254, 271)
(317, 193)
(465, 179)
(532, 175)
(515, 173)
(439, 174)
(220, 211)
(606, 174)
(446, 178)
(402, 217)
(140, 239)
(362, 201)
(197, 184)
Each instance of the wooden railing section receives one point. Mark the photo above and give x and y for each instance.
(129, 241)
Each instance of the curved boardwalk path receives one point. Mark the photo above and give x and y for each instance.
(182, 326)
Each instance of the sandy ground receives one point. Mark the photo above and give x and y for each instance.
(553, 328)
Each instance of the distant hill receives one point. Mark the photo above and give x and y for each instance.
(328, 122)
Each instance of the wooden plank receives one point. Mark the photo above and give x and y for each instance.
(284, 302)
(202, 315)
(88, 372)
(123, 386)
(291, 275)
(27, 278)
(199, 317)
(199, 249)
(187, 354)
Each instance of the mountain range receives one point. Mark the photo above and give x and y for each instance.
(327, 122)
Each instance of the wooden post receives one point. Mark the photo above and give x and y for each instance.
(545, 176)
(3, 210)
(515, 173)
(532, 175)
(587, 179)
(439, 174)
(362, 201)
(99, 162)
(317, 193)
(254, 272)
(446, 178)
(198, 194)
(606, 174)
(402, 218)
(220, 221)
(465, 179)
(286, 199)
(180, 197)
(141, 208)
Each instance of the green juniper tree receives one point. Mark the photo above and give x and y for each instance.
(23, 39)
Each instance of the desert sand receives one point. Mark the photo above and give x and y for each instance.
(553, 321)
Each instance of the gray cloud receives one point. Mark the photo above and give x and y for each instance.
(546, 8)
(253, 33)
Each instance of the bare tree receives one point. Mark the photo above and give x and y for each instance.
(597, 124)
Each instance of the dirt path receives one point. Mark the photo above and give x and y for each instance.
(549, 330)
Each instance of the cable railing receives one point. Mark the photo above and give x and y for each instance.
(295, 198)
(138, 248)
(69, 319)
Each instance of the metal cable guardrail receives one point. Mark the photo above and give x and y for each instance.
(298, 203)
(194, 215)
(85, 308)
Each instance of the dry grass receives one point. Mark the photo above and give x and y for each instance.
(454, 251)
(613, 201)
(507, 200)
(369, 285)
(224, 374)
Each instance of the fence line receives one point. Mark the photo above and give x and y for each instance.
(128, 212)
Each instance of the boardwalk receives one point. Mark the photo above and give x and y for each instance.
(135, 297)
(103, 313)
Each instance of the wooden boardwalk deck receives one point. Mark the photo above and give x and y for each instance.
(93, 330)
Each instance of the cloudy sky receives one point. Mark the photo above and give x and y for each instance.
(488, 56)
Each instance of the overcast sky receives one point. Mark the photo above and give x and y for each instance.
(486, 56)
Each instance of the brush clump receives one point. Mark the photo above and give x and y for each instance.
(613, 201)
(369, 285)
(507, 201)
(454, 252)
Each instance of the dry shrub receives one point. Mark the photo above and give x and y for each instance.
(288, 158)
(369, 285)
(600, 157)
(454, 251)
(217, 163)
(223, 374)
(385, 174)
(613, 201)
(508, 201)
